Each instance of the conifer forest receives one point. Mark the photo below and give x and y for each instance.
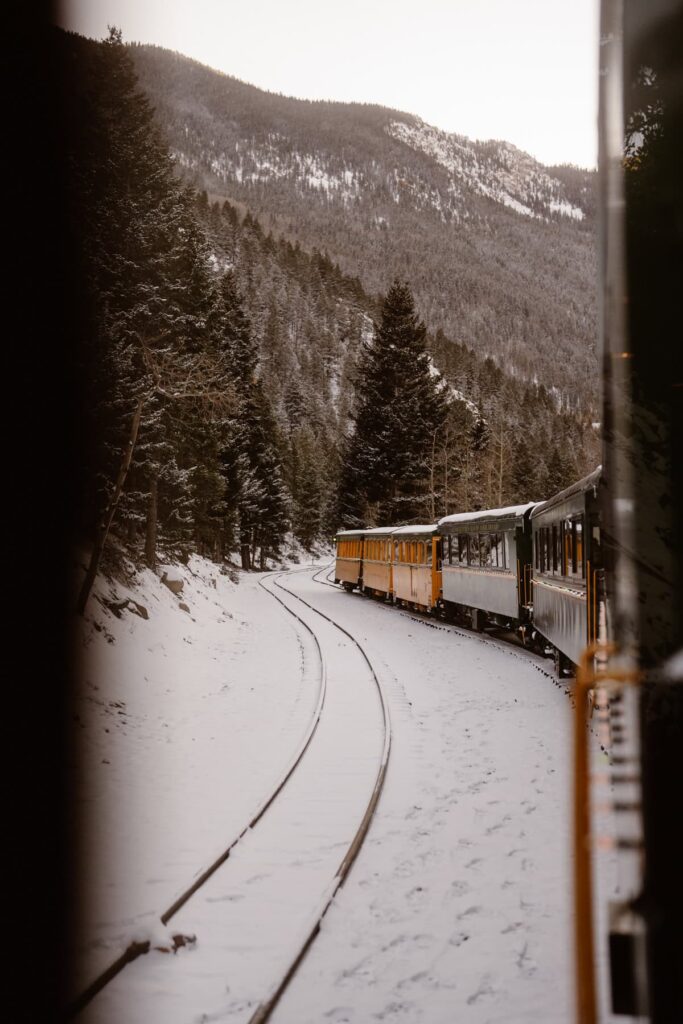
(252, 381)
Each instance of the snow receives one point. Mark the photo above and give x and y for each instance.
(453, 394)
(458, 906)
(172, 573)
(489, 513)
(497, 170)
(413, 529)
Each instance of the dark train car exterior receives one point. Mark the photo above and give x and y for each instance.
(567, 570)
(417, 566)
(487, 565)
(348, 566)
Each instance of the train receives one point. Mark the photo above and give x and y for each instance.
(533, 569)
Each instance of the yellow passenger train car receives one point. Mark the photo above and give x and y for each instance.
(348, 567)
(378, 562)
(417, 567)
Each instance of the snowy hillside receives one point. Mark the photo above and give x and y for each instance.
(192, 705)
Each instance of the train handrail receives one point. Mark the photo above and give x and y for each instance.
(589, 676)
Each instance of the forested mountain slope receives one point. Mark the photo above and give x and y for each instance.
(498, 249)
(220, 360)
(505, 439)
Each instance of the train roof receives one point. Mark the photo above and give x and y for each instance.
(408, 531)
(375, 531)
(580, 487)
(421, 529)
(512, 515)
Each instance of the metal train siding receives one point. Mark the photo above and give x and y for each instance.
(567, 569)
(487, 565)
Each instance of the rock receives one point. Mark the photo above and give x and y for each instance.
(185, 607)
(174, 582)
(138, 609)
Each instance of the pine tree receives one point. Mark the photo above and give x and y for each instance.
(400, 406)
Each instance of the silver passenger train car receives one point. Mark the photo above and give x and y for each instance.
(487, 566)
(568, 603)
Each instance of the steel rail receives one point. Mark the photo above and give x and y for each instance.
(512, 647)
(136, 949)
(265, 1009)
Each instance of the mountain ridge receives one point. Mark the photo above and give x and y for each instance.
(491, 262)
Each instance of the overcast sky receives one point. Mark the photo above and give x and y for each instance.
(520, 70)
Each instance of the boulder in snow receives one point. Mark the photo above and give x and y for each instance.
(172, 578)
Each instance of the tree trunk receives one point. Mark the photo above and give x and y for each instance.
(432, 496)
(152, 522)
(500, 474)
(245, 548)
(107, 518)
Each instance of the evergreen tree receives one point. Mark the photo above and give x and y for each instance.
(400, 406)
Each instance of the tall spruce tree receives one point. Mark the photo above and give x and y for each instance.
(400, 406)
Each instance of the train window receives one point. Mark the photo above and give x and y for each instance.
(545, 549)
(473, 549)
(428, 553)
(450, 550)
(485, 549)
(500, 559)
(578, 546)
(554, 546)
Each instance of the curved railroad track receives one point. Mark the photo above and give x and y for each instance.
(136, 949)
(265, 1009)
(270, 584)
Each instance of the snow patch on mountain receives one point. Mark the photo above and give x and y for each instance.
(263, 161)
(497, 170)
(452, 394)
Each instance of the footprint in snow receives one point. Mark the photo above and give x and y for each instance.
(412, 980)
(470, 912)
(416, 895)
(459, 888)
(340, 1014)
(485, 989)
(514, 927)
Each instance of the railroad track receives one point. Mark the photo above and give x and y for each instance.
(136, 949)
(264, 1011)
(270, 584)
(512, 646)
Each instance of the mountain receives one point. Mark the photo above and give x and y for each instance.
(498, 249)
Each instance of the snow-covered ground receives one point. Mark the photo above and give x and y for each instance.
(458, 906)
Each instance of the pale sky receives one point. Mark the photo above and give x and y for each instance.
(525, 71)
